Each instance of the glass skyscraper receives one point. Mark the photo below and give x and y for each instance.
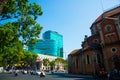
(51, 44)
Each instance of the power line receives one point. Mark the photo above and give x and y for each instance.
(101, 2)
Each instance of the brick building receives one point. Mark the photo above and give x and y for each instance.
(101, 49)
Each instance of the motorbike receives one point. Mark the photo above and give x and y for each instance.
(42, 74)
(16, 74)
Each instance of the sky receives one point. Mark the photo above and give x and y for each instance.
(72, 18)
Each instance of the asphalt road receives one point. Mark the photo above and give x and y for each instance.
(49, 76)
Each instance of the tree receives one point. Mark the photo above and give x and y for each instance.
(29, 59)
(19, 27)
(52, 64)
(9, 48)
(66, 64)
(46, 62)
(2, 2)
(24, 17)
(59, 60)
(59, 63)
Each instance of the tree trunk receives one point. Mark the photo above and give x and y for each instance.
(2, 2)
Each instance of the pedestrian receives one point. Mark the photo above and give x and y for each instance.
(115, 71)
(108, 76)
(103, 74)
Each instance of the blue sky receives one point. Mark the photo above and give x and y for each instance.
(72, 18)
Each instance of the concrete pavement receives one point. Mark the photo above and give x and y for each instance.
(49, 76)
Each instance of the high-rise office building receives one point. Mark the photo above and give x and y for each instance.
(51, 35)
(51, 44)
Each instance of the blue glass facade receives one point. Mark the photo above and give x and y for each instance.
(51, 44)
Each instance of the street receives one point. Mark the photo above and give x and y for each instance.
(49, 76)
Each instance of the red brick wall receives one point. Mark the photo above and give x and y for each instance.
(111, 40)
(110, 53)
(109, 36)
(88, 67)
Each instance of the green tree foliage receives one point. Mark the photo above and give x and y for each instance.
(59, 60)
(24, 17)
(18, 27)
(63, 62)
(66, 64)
(46, 62)
(2, 2)
(10, 46)
(29, 59)
(52, 64)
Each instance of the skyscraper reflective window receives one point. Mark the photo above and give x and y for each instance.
(51, 44)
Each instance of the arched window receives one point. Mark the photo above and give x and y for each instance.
(77, 62)
(98, 59)
(108, 28)
(87, 59)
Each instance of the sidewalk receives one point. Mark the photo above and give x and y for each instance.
(81, 75)
(77, 76)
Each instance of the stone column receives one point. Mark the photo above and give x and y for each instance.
(103, 49)
(118, 27)
(93, 61)
(83, 63)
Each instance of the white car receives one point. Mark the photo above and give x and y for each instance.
(38, 72)
(42, 74)
(33, 72)
(10, 71)
(25, 71)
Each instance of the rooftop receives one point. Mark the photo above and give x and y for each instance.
(74, 51)
(108, 13)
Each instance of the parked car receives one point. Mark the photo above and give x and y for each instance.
(10, 71)
(42, 74)
(38, 72)
(33, 72)
(24, 71)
